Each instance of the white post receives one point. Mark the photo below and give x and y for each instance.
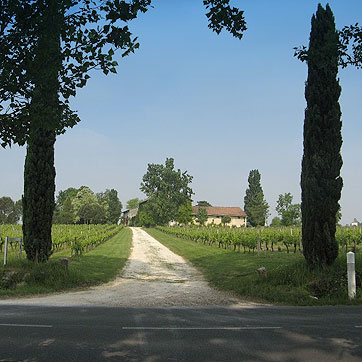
(351, 275)
(6, 250)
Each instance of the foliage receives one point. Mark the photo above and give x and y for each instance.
(92, 213)
(144, 216)
(270, 239)
(184, 215)
(65, 237)
(202, 215)
(222, 15)
(132, 203)
(63, 195)
(290, 213)
(255, 206)
(276, 222)
(320, 180)
(349, 47)
(203, 203)
(10, 211)
(66, 215)
(111, 203)
(84, 35)
(86, 206)
(167, 189)
(225, 219)
(83, 206)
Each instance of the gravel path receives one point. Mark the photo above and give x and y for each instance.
(153, 277)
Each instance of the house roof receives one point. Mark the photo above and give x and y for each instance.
(220, 211)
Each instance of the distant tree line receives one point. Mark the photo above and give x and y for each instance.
(83, 206)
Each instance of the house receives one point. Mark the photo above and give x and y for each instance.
(215, 214)
(129, 215)
(355, 222)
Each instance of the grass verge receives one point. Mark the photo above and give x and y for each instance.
(289, 280)
(99, 265)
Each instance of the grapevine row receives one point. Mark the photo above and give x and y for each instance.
(78, 238)
(267, 239)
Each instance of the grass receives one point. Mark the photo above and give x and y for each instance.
(289, 280)
(99, 265)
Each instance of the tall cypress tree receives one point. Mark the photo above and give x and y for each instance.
(255, 206)
(320, 181)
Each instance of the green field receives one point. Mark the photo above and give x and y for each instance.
(97, 266)
(289, 281)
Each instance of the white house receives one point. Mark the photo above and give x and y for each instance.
(215, 214)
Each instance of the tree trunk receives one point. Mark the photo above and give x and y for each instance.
(38, 201)
(44, 114)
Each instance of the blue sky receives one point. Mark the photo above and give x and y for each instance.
(219, 106)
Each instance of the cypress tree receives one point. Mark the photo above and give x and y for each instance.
(255, 206)
(320, 180)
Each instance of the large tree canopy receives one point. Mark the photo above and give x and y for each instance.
(167, 189)
(71, 37)
(67, 38)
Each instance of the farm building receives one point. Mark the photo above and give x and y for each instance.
(215, 214)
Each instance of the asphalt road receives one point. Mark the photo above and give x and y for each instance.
(34, 333)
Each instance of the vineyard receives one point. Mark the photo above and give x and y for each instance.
(78, 238)
(266, 239)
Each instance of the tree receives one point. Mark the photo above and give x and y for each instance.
(289, 213)
(132, 203)
(10, 211)
(255, 206)
(64, 211)
(167, 189)
(112, 204)
(320, 179)
(87, 207)
(92, 213)
(225, 219)
(47, 48)
(184, 214)
(63, 195)
(276, 222)
(66, 214)
(202, 215)
(203, 203)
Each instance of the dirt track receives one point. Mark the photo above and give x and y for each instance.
(153, 276)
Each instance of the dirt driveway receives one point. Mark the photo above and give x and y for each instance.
(153, 277)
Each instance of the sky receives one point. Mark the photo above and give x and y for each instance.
(218, 105)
